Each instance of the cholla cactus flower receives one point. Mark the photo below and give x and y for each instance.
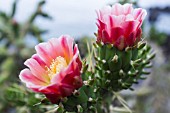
(120, 25)
(55, 69)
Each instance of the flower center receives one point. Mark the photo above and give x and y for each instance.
(56, 66)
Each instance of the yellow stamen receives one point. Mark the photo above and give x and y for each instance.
(56, 66)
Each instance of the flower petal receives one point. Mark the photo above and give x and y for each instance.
(37, 70)
(44, 52)
(27, 77)
(116, 33)
(39, 60)
(67, 75)
(139, 14)
(67, 44)
(104, 11)
(117, 9)
(127, 9)
(129, 27)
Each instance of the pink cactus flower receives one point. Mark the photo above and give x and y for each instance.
(55, 69)
(120, 25)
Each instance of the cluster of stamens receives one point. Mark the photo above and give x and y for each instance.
(56, 66)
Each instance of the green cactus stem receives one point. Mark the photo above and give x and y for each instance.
(120, 69)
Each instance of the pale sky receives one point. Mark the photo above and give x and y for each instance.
(74, 17)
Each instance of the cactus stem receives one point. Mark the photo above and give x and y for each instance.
(85, 82)
(96, 34)
(107, 81)
(95, 90)
(136, 72)
(138, 60)
(76, 93)
(149, 65)
(121, 73)
(97, 58)
(80, 109)
(145, 72)
(109, 46)
(120, 80)
(131, 74)
(143, 78)
(145, 62)
(103, 61)
(128, 49)
(150, 57)
(108, 72)
(90, 99)
(115, 58)
(100, 44)
(98, 68)
(134, 64)
(64, 99)
(95, 45)
(131, 89)
(135, 81)
(141, 45)
(85, 68)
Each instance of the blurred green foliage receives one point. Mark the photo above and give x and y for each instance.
(83, 44)
(14, 50)
(158, 37)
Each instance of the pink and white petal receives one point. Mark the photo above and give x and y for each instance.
(120, 43)
(73, 79)
(108, 23)
(129, 17)
(101, 25)
(39, 60)
(139, 14)
(117, 9)
(66, 71)
(34, 88)
(27, 77)
(76, 52)
(44, 52)
(104, 11)
(127, 8)
(50, 48)
(117, 20)
(67, 45)
(130, 40)
(37, 70)
(66, 89)
(52, 88)
(56, 44)
(129, 27)
(142, 15)
(138, 35)
(73, 70)
(116, 33)
(105, 37)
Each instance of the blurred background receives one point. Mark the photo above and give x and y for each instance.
(25, 23)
